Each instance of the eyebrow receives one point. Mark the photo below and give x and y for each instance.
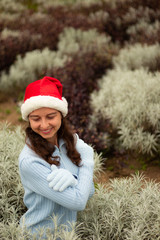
(50, 114)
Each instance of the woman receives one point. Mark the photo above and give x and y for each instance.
(56, 167)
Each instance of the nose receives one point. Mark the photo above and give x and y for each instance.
(44, 124)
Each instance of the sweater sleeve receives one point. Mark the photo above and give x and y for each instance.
(34, 174)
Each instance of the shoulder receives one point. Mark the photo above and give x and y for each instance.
(27, 153)
(86, 152)
(28, 159)
(80, 144)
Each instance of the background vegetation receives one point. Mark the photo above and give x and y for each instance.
(94, 48)
(124, 209)
(107, 55)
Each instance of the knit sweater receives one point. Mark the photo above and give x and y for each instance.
(41, 200)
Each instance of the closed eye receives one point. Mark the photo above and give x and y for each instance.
(50, 117)
(35, 119)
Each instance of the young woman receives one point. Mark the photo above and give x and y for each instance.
(56, 167)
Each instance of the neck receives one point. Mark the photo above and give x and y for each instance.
(54, 141)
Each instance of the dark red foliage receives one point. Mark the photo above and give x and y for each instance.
(47, 30)
(57, 18)
(143, 37)
(12, 46)
(48, 27)
(155, 5)
(117, 32)
(79, 78)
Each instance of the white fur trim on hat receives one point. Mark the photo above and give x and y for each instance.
(37, 102)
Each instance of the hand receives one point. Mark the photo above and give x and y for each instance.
(59, 179)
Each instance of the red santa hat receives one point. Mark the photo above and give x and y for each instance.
(46, 92)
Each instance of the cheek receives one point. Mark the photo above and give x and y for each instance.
(57, 123)
(33, 125)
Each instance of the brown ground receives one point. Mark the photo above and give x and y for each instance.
(121, 166)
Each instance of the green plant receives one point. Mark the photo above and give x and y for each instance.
(8, 111)
(110, 168)
(31, 4)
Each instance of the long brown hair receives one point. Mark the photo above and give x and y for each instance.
(45, 150)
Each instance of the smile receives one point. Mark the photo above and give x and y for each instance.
(46, 131)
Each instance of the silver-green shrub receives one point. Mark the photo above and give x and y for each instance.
(138, 19)
(131, 101)
(29, 68)
(124, 209)
(16, 33)
(11, 190)
(11, 6)
(7, 33)
(99, 16)
(72, 3)
(88, 3)
(9, 17)
(148, 28)
(77, 3)
(140, 13)
(137, 56)
(73, 40)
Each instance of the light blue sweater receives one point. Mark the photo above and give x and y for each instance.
(41, 201)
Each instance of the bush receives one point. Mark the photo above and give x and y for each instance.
(127, 22)
(142, 24)
(144, 32)
(73, 18)
(79, 78)
(37, 31)
(130, 100)
(11, 46)
(88, 60)
(151, 4)
(120, 20)
(28, 69)
(75, 40)
(11, 6)
(11, 190)
(10, 186)
(125, 209)
(137, 56)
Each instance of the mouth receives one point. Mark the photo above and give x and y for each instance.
(47, 131)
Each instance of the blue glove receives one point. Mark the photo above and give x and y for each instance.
(59, 179)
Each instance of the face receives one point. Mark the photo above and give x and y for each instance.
(46, 122)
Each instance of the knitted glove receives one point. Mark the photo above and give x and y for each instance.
(59, 179)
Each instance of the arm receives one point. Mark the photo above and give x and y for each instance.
(34, 174)
(59, 179)
(92, 190)
(86, 159)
